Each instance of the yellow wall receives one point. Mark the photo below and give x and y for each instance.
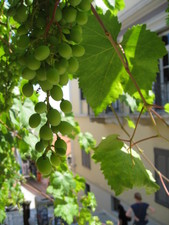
(94, 177)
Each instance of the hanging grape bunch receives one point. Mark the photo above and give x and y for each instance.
(48, 46)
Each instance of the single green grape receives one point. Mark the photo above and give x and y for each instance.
(76, 34)
(44, 166)
(39, 147)
(42, 52)
(73, 65)
(65, 50)
(27, 90)
(34, 120)
(69, 14)
(45, 133)
(28, 74)
(41, 107)
(54, 117)
(56, 93)
(78, 50)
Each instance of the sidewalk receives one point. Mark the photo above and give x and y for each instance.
(32, 190)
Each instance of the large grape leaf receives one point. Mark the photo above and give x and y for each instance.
(67, 211)
(101, 74)
(118, 168)
(143, 48)
(100, 66)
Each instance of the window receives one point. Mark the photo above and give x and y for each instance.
(115, 105)
(81, 95)
(114, 203)
(86, 159)
(161, 87)
(162, 164)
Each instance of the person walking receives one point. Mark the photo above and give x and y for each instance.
(140, 210)
(122, 218)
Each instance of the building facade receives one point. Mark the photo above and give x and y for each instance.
(151, 12)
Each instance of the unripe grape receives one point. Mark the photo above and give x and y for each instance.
(44, 166)
(65, 128)
(21, 14)
(78, 50)
(45, 133)
(54, 117)
(39, 147)
(34, 120)
(45, 85)
(23, 41)
(66, 106)
(82, 18)
(55, 159)
(41, 74)
(22, 60)
(58, 15)
(52, 76)
(56, 93)
(69, 14)
(76, 34)
(74, 3)
(65, 50)
(61, 66)
(60, 147)
(28, 2)
(85, 5)
(42, 52)
(73, 65)
(32, 63)
(28, 74)
(64, 79)
(40, 107)
(27, 90)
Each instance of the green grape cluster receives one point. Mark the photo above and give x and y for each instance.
(47, 46)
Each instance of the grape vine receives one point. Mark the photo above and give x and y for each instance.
(44, 44)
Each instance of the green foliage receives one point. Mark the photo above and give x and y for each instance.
(133, 42)
(116, 158)
(41, 48)
(98, 49)
(112, 79)
(114, 6)
(86, 141)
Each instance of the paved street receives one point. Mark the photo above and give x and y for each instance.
(34, 192)
(33, 189)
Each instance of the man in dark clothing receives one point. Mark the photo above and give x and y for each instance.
(123, 219)
(140, 210)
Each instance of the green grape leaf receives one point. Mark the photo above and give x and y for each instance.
(100, 67)
(86, 141)
(166, 107)
(129, 101)
(80, 183)
(143, 49)
(1, 52)
(65, 181)
(130, 122)
(118, 168)
(114, 6)
(68, 210)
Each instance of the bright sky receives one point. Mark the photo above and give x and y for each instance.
(55, 104)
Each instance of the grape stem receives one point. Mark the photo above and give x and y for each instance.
(52, 19)
(120, 52)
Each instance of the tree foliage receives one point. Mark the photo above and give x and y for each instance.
(43, 45)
